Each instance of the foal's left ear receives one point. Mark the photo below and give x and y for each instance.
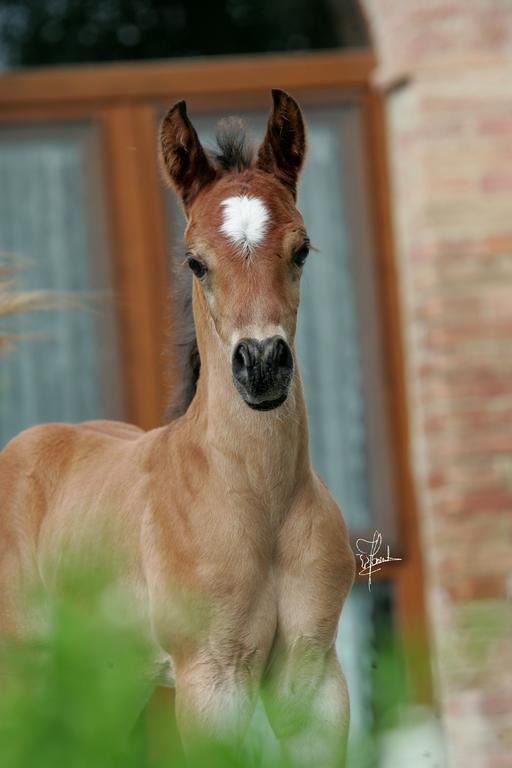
(183, 158)
(284, 145)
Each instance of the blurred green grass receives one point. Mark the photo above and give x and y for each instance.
(72, 697)
(69, 698)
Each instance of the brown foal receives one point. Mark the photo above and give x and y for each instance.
(232, 550)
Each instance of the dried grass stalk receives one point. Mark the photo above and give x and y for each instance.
(14, 301)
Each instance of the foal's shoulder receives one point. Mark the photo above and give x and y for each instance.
(38, 450)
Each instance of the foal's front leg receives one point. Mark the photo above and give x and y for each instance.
(214, 702)
(306, 696)
(307, 704)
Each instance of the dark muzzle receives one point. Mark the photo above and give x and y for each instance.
(262, 371)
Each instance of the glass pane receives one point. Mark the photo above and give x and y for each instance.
(327, 335)
(51, 224)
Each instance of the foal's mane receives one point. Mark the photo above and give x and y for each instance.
(234, 152)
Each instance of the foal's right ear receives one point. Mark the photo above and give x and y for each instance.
(184, 160)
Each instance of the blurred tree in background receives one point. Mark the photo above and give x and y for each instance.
(47, 32)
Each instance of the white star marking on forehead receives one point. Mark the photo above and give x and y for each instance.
(245, 221)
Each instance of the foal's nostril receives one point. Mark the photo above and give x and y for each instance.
(277, 355)
(282, 354)
(241, 357)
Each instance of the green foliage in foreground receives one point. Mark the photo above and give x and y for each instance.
(72, 699)
(69, 700)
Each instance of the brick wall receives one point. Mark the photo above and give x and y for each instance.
(446, 68)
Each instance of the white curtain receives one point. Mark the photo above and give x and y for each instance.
(51, 216)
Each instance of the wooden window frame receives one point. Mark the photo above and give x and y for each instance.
(125, 100)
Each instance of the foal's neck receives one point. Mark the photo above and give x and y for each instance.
(263, 444)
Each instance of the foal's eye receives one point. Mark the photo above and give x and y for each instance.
(300, 255)
(198, 268)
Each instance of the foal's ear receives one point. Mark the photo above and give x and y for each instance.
(184, 160)
(284, 145)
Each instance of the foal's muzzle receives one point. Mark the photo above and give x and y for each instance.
(262, 371)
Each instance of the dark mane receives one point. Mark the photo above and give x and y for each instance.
(183, 356)
(235, 150)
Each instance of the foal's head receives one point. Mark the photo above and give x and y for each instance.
(246, 241)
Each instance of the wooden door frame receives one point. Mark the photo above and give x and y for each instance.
(126, 100)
